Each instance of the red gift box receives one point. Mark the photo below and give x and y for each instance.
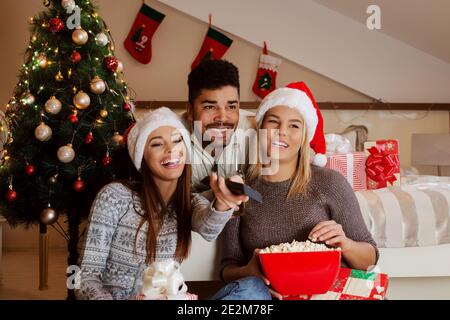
(353, 284)
(383, 164)
(352, 166)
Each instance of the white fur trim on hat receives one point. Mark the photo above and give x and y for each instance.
(292, 98)
(319, 160)
(138, 135)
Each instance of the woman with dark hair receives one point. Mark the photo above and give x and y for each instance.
(132, 226)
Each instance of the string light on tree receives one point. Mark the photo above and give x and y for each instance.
(59, 77)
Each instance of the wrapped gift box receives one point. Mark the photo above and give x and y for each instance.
(353, 284)
(352, 166)
(382, 164)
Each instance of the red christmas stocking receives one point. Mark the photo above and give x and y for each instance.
(214, 46)
(138, 42)
(266, 76)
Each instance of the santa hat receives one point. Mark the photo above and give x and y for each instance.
(138, 135)
(298, 96)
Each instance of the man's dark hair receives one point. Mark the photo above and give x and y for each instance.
(212, 74)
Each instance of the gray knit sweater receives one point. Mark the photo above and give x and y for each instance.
(278, 220)
(109, 267)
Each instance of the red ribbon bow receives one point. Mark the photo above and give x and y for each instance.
(381, 166)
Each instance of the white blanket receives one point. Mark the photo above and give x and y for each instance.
(415, 214)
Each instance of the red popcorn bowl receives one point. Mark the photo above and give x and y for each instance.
(294, 273)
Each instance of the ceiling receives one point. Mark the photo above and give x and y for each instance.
(422, 24)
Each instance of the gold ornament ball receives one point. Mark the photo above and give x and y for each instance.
(48, 216)
(79, 36)
(66, 153)
(81, 100)
(59, 77)
(42, 60)
(43, 132)
(53, 105)
(103, 113)
(98, 86)
(117, 140)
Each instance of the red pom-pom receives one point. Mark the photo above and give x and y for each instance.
(11, 195)
(75, 57)
(78, 185)
(107, 161)
(73, 118)
(29, 170)
(55, 25)
(111, 63)
(89, 138)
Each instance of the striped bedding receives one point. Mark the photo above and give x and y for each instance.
(417, 213)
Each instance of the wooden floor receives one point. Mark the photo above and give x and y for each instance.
(21, 276)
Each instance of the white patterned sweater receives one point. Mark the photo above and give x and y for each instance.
(109, 267)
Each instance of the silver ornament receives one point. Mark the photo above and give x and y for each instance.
(81, 100)
(68, 4)
(43, 132)
(101, 39)
(97, 86)
(66, 153)
(49, 216)
(79, 36)
(53, 105)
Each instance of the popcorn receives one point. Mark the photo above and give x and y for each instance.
(297, 246)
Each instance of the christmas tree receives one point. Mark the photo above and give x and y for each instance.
(63, 129)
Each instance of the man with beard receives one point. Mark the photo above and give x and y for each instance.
(219, 127)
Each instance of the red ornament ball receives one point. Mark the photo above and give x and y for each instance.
(79, 185)
(73, 118)
(11, 195)
(55, 25)
(126, 106)
(107, 161)
(111, 63)
(75, 57)
(29, 170)
(89, 138)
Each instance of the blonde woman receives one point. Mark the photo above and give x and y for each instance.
(301, 200)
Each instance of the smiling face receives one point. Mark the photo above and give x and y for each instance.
(285, 134)
(165, 153)
(218, 111)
